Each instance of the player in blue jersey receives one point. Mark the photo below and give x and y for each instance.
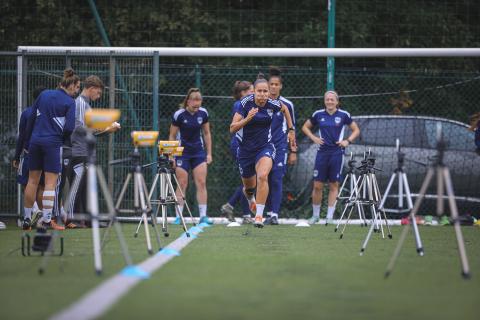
(331, 123)
(20, 161)
(280, 141)
(52, 119)
(240, 90)
(256, 152)
(188, 123)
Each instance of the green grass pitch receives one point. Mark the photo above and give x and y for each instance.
(275, 273)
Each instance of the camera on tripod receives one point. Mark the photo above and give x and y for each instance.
(169, 149)
(144, 138)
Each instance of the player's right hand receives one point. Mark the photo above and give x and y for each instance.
(318, 140)
(251, 113)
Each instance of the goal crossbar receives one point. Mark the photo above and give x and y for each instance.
(252, 52)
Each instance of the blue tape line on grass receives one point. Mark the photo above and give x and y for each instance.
(184, 235)
(195, 230)
(135, 272)
(204, 225)
(169, 252)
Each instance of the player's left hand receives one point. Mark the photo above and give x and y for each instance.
(292, 140)
(209, 159)
(292, 159)
(343, 143)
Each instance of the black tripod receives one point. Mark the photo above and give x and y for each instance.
(444, 181)
(141, 202)
(167, 196)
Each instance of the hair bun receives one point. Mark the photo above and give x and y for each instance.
(260, 76)
(67, 73)
(274, 72)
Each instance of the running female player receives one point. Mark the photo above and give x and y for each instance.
(240, 90)
(188, 123)
(52, 119)
(331, 122)
(280, 141)
(256, 152)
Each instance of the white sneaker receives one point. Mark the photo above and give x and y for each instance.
(313, 220)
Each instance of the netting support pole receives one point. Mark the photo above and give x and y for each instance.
(156, 111)
(21, 104)
(68, 60)
(198, 77)
(331, 44)
(111, 99)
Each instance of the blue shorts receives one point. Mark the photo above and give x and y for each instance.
(189, 162)
(328, 167)
(234, 147)
(280, 162)
(47, 158)
(22, 172)
(246, 165)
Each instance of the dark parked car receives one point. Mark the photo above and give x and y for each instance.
(417, 137)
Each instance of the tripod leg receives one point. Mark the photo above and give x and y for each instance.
(400, 190)
(113, 216)
(172, 190)
(369, 235)
(382, 211)
(341, 189)
(456, 223)
(92, 196)
(343, 214)
(135, 235)
(440, 192)
(346, 222)
(154, 184)
(138, 203)
(122, 192)
(48, 253)
(183, 197)
(387, 191)
(144, 189)
(350, 201)
(416, 232)
(163, 203)
(416, 206)
(146, 204)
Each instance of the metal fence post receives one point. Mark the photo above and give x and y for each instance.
(198, 77)
(155, 92)
(68, 59)
(331, 44)
(111, 99)
(21, 103)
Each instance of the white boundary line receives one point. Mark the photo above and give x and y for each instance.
(98, 300)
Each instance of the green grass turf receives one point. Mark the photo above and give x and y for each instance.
(24, 294)
(275, 273)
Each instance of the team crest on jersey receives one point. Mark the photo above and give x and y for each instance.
(270, 112)
(315, 173)
(338, 120)
(323, 119)
(179, 162)
(199, 120)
